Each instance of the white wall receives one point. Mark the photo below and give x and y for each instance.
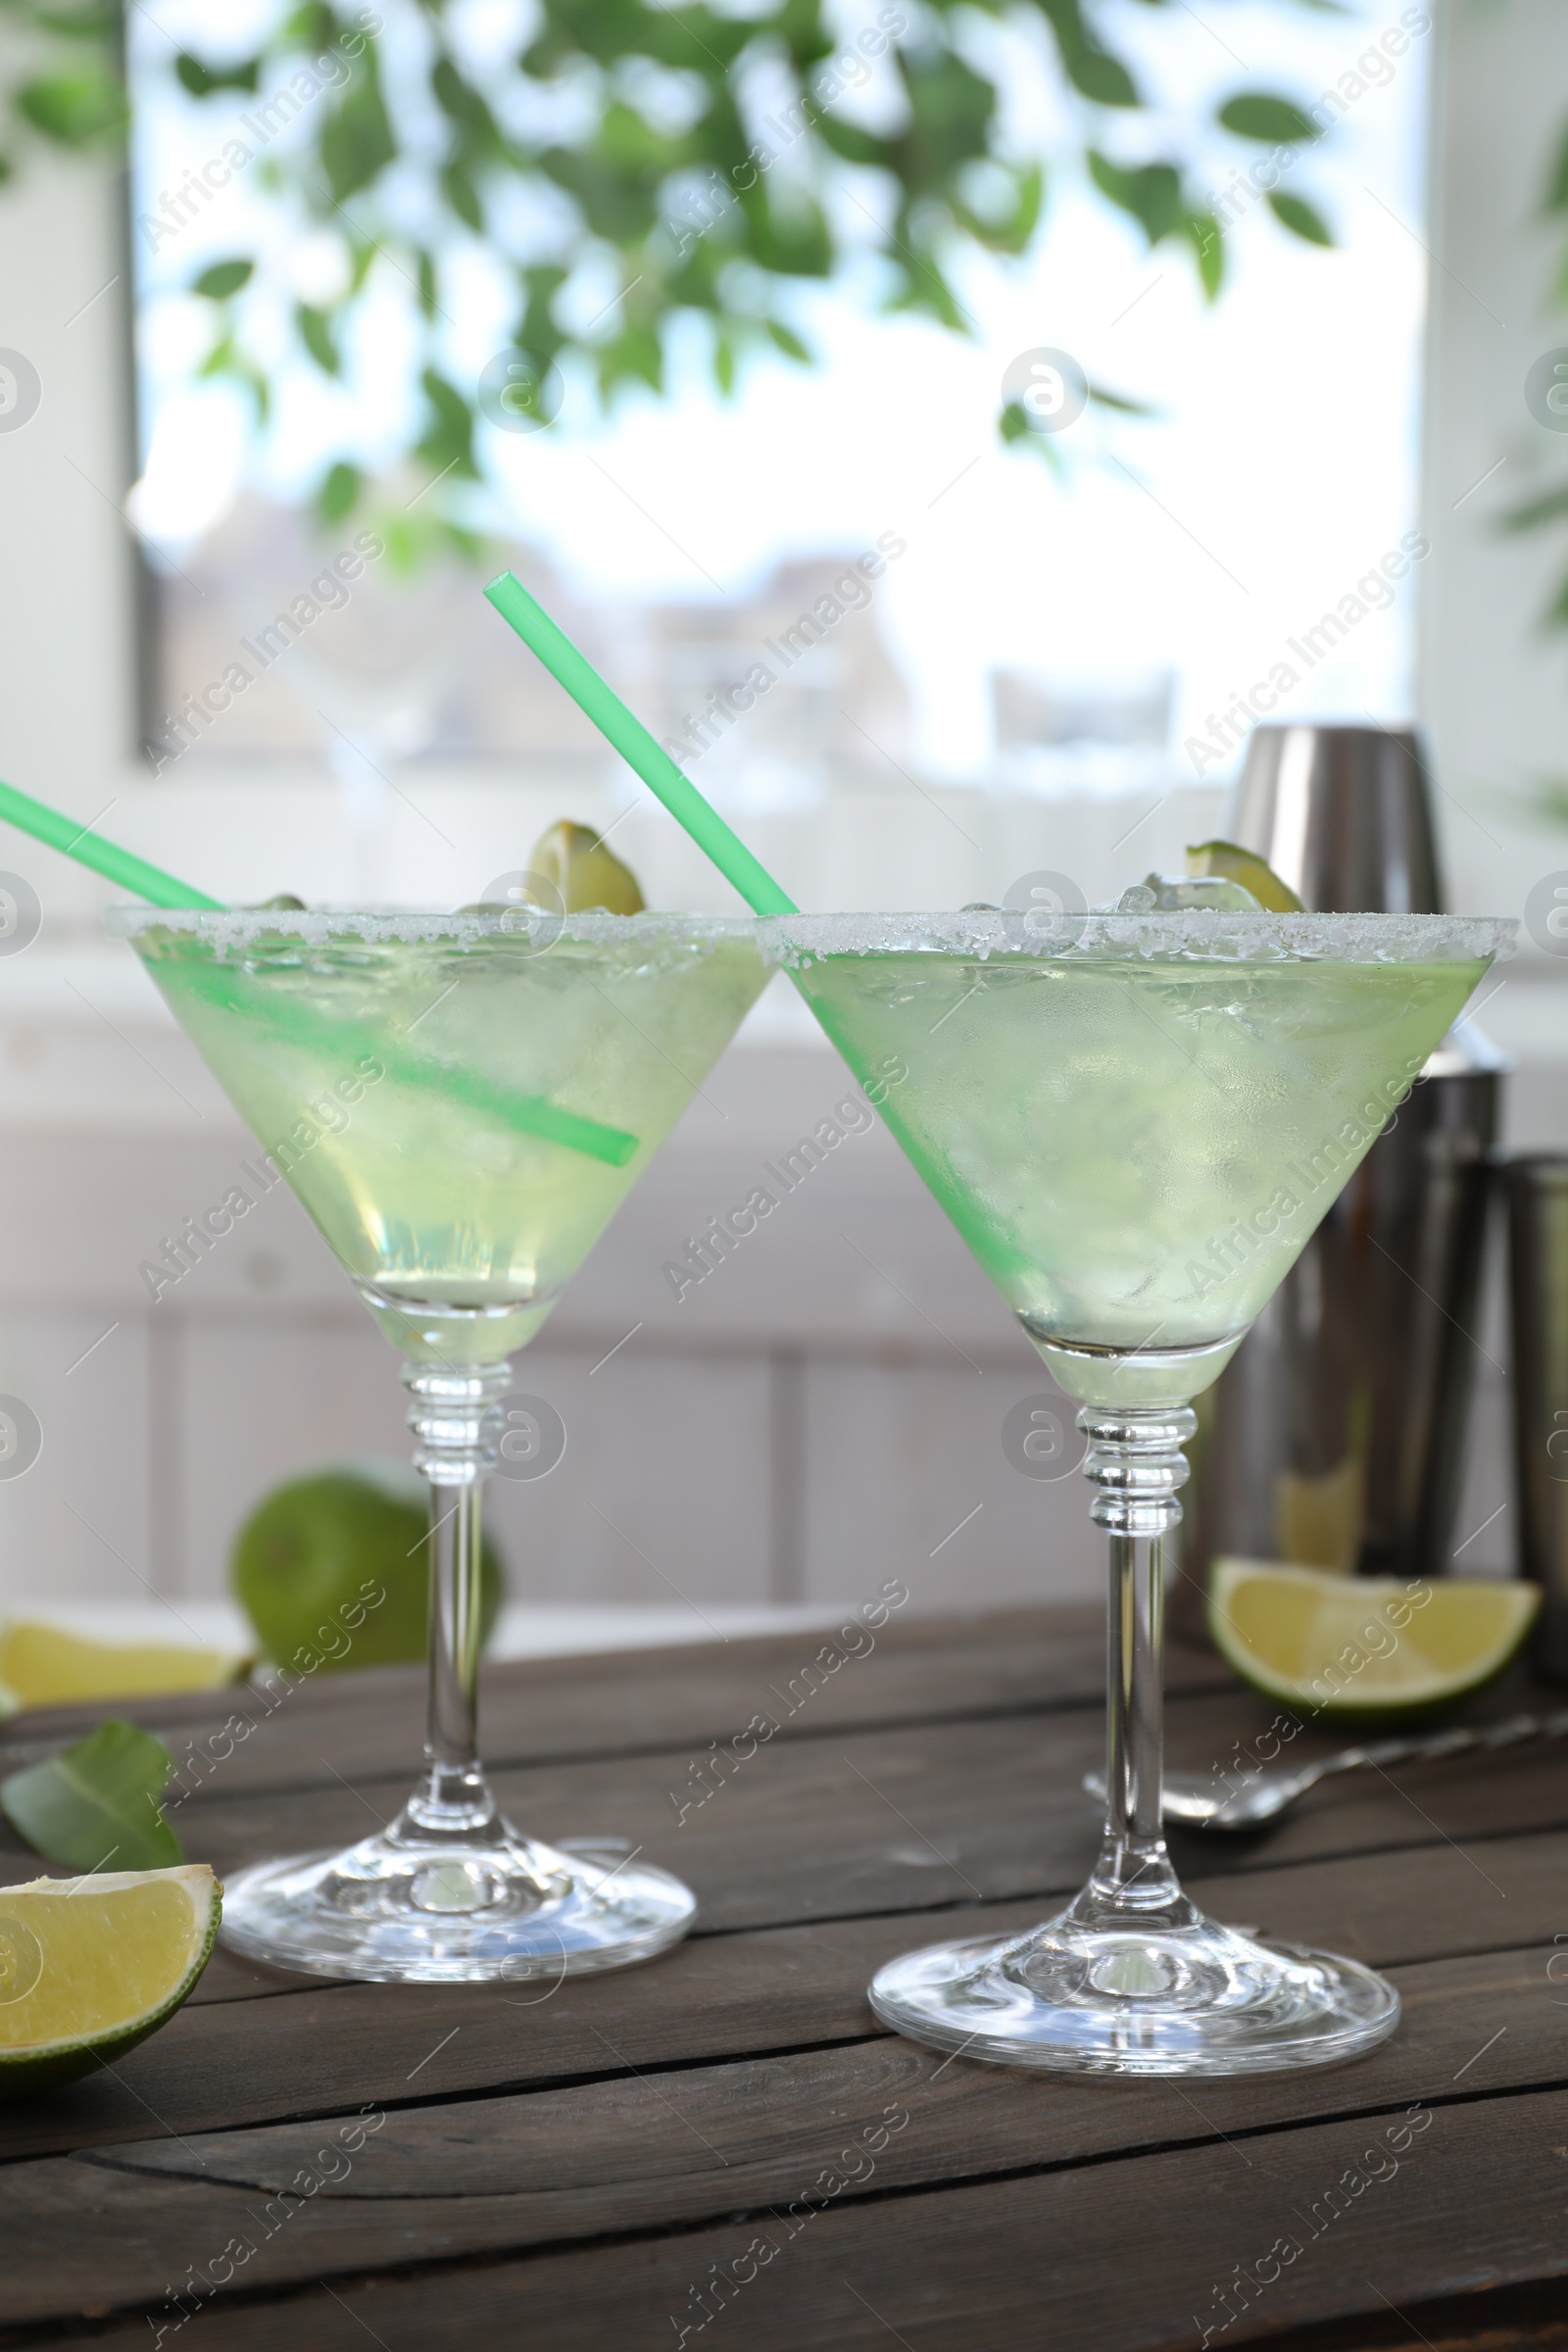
(66, 642)
(1492, 689)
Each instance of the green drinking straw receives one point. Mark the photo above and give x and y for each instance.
(631, 739)
(530, 1113)
(63, 833)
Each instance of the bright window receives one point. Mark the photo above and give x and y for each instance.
(1203, 547)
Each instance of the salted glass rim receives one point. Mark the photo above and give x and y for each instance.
(1186, 934)
(314, 926)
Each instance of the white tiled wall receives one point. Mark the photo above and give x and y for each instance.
(694, 1477)
(77, 1523)
(908, 1461)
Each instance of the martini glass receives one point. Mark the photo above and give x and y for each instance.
(461, 1102)
(1134, 1121)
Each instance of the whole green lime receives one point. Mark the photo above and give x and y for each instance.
(331, 1569)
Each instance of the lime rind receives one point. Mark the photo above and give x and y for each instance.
(1227, 860)
(587, 874)
(30, 2067)
(1365, 1650)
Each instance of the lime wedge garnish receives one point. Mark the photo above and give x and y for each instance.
(587, 874)
(1232, 864)
(90, 1966)
(44, 1666)
(1364, 1648)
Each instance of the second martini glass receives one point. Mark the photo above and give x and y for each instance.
(461, 1102)
(1134, 1121)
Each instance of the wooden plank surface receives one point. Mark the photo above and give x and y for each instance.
(683, 2147)
(439, 2164)
(1114, 2257)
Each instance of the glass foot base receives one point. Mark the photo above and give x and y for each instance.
(1189, 2000)
(402, 1909)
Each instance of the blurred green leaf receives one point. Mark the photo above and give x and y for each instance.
(1274, 121)
(1209, 243)
(1012, 231)
(315, 333)
(461, 195)
(447, 443)
(99, 20)
(1552, 505)
(74, 109)
(339, 493)
(1089, 68)
(96, 1806)
(1122, 402)
(356, 139)
(202, 80)
(789, 342)
(634, 357)
(1299, 217)
(458, 99)
(1549, 801)
(1017, 431)
(1152, 194)
(1102, 78)
(1556, 196)
(221, 279)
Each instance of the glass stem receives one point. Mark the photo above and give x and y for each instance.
(1136, 1463)
(456, 1419)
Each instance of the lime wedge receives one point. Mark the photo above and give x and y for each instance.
(44, 1666)
(1232, 864)
(89, 1966)
(587, 874)
(1364, 1648)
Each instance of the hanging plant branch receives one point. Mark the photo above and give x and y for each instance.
(632, 135)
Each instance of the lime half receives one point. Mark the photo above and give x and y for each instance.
(1232, 864)
(44, 1666)
(89, 1967)
(1364, 1648)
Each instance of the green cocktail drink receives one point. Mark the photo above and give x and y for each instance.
(1134, 1121)
(459, 1108)
(1134, 1141)
(461, 1102)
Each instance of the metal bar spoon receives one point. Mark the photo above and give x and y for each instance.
(1208, 1804)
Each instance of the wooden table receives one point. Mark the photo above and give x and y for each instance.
(723, 2148)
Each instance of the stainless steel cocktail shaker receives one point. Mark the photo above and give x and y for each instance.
(1336, 1436)
(1343, 814)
